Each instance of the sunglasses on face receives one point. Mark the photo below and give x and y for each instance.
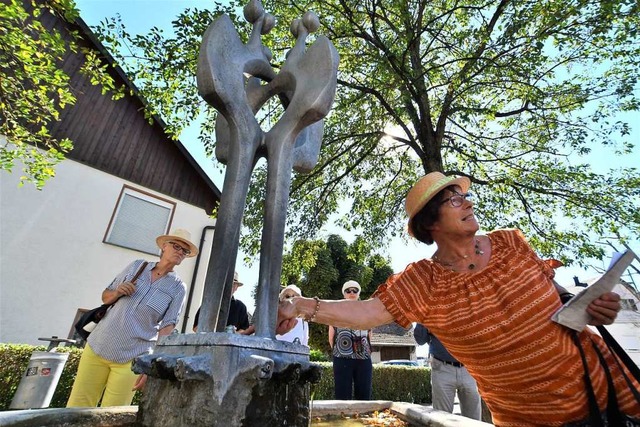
(457, 199)
(351, 291)
(179, 248)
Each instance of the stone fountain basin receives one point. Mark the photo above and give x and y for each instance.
(125, 416)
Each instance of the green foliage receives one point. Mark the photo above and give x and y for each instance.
(14, 359)
(317, 356)
(320, 269)
(33, 87)
(394, 383)
(513, 95)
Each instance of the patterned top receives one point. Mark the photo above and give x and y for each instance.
(130, 327)
(497, 322)
(351, 344)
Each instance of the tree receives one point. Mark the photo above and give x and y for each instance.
(513, 94)
(33, 87)
(320, 268)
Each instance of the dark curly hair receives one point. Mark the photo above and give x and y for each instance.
(427, 216)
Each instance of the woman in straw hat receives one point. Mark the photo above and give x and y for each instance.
(489, 299)
(144, 310)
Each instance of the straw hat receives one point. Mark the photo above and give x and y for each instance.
(427, 187)
(351, 284)
(178, 235)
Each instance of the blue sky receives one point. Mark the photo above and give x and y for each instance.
(140, 15)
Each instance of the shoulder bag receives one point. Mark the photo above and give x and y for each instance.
(612, 415)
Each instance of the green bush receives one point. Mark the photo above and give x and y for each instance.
(318, 356)
(395, 383)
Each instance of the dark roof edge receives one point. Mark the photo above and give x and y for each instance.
(86, 30)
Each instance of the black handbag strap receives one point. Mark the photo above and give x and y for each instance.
(594, 410)
(614, 417)
(622, 355)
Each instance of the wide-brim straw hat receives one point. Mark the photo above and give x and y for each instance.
(427, 187)
(178, 235)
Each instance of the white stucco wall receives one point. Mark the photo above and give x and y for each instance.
(52, 258)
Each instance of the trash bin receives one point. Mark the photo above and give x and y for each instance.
(41, 377)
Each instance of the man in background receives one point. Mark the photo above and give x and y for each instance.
(238, 315)
(449, 376)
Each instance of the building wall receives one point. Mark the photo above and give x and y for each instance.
(52, 256)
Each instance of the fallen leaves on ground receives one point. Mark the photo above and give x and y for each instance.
(384, 418)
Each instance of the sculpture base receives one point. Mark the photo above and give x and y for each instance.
(221, 379)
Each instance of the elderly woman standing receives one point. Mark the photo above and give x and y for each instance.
(490, 300)
(143, 311)
(300, 332)
(351, 349)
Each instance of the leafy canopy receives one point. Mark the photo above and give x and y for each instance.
(514, 94)
(34, 88)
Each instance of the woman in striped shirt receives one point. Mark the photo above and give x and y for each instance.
(489, 299)
(143, 311)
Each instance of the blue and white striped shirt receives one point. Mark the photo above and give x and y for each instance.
(130, 327)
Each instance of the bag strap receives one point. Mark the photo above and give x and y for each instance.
(133, 280)
(594, 410)
(139, 272)
(614, 417)
(622, 355)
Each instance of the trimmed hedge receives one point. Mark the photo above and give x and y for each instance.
(395, 383)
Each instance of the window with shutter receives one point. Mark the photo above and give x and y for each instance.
(138, 219)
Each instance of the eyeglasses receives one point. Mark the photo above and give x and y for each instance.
(179, 248)
(457, 199)
(351, 291)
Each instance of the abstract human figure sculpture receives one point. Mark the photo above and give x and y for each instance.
(306, 83)
(214, 378)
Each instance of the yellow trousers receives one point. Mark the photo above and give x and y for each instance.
(100, 378)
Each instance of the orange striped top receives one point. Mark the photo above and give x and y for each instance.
(497, 321)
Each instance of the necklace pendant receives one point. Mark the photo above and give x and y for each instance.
(477, 248)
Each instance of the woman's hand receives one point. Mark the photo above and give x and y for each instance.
(604, 309)
(126, 288)
(287, 316)
(140, 382)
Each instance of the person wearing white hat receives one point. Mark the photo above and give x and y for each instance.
(300, 333)
(351, 350)
(142, 310)
(490, 300)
